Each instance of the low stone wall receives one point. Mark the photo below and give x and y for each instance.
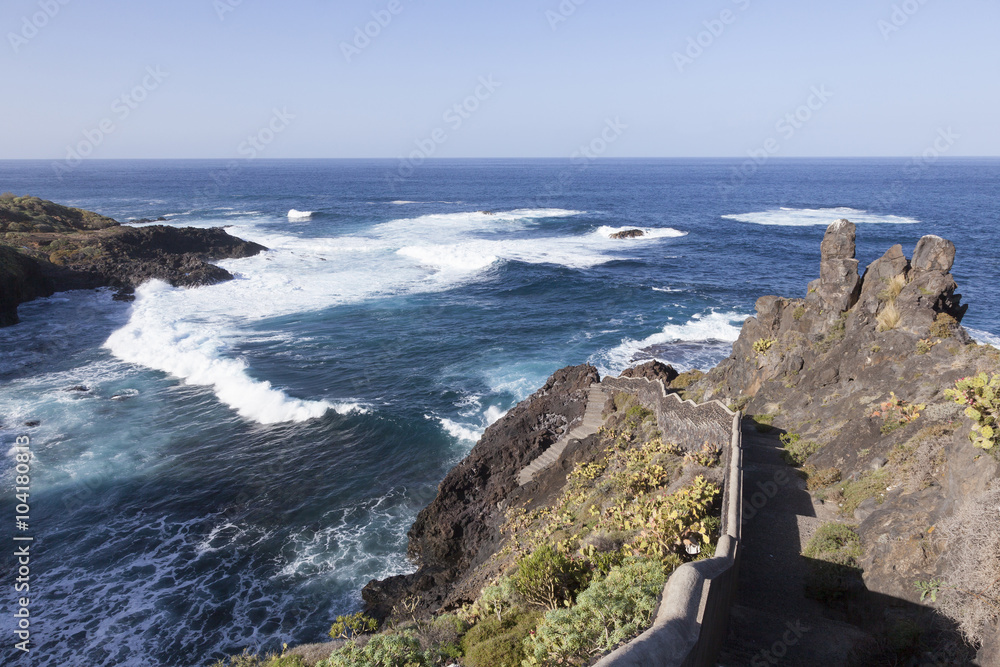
(692, 620)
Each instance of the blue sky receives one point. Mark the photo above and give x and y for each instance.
(890, 76)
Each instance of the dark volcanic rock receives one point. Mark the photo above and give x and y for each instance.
(21, 279)
(460, 527)
(628, 234)
(653, 370)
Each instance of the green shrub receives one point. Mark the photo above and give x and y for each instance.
(797, 451)
(981, 396)
(247, 659)
(798, 313)
(496, 600)
(611, 611)
(494, 643)
(346, 627)
(384, 650)
(548, 578)
(943, 324)
(820, 478)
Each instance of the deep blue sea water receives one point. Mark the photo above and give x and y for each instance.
(250, 454)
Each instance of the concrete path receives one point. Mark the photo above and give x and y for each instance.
(592, 421)
(772, 622)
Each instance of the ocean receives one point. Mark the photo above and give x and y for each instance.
(246, 456)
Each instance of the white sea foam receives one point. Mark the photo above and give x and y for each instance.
(189, 333)
(647, 232)
(803, 217)
(714, 327)
(984, 337)
(468, 431)
(195, 351)
(299, 215)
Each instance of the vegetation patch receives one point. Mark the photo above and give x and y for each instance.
(889, 317)
(762, 345)
(944, 325)
(797, 450)
(896, 413)
(834, 551)
(980, 394)
(871, 484)
(764, 422)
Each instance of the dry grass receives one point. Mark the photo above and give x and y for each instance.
(972, 595)
(893, 287)
(889, 317)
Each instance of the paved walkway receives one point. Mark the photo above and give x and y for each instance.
(592, 421)
(772, 622)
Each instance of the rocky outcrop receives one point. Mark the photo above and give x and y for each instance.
(460, 528)
(838, 286)
(21, 279)
(823, 367)
(652, 370)
(628, 234)
(60, 248)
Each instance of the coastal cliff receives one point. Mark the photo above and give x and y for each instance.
(855, 378)
(46, 248)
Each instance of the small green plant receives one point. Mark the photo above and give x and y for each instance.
(896, 413)
(871, 484)
(889, 317)
(762, 345)
(943, 325)
(820, 478)
(346, 627)
(980, 394)
(798, 313)
(925, 345)
(796, 450)
(763, 422)
(929, 589)
(739, 404)
(875, 348)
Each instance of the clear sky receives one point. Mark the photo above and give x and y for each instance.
(883, 77)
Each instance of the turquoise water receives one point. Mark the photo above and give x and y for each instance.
(248, 455)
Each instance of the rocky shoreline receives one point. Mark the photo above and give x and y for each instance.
(47, 248)
(854, 377)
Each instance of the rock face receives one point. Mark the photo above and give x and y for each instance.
(21, 279)
(460, 528)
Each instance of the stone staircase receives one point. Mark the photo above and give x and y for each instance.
(592, 421)
(772, 621)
